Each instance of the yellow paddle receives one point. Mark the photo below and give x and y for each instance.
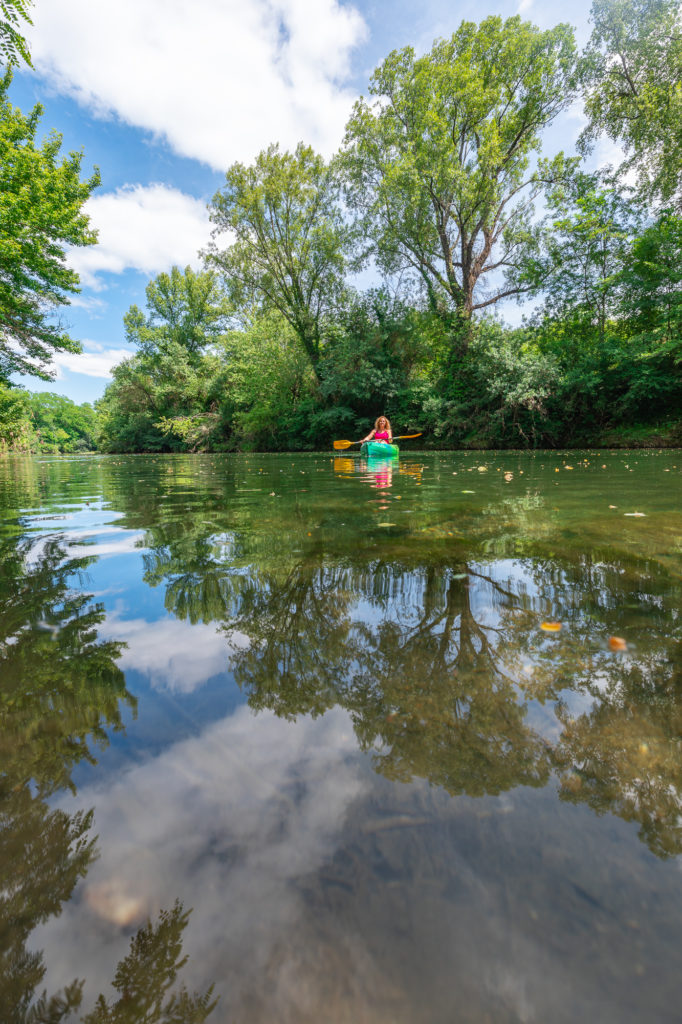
(340, 445)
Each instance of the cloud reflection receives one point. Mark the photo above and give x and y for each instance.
(231, 822)
(174, 655)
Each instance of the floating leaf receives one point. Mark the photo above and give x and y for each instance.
(637, 515)
(551, 627)
(387, 524)
(616, 643)
(468, 492)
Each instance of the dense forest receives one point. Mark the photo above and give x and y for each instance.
(442, 196)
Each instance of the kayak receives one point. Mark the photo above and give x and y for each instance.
(380, 450)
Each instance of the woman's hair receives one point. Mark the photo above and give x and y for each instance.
(388, 423)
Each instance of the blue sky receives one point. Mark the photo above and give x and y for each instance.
(162, 95)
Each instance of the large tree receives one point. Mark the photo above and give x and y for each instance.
(441, 163)
(183, 308)
(288, 243)
(41, 212)
(631, 72)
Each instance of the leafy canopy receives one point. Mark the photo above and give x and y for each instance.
(593, 222)
(631, 72)
(184, 308)
(289, 245)
(440, 163)
(41, 212)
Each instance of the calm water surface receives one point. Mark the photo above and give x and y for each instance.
(301, 714)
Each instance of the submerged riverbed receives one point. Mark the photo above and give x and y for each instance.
(405, 738)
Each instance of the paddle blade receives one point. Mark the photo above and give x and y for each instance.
(403, 437)
(340, 445)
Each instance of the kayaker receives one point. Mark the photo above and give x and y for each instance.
(382, 432)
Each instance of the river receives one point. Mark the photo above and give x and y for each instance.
(370, 742)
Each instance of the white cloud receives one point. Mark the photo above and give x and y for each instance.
(218, 81)
(93, 361)
(147, 228)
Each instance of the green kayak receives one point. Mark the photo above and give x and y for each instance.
(380, 450)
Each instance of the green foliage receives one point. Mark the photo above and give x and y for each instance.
(41, 212)
(148, 393)
(167, 397)
(268, 384)
(16, 433)
(289, 244)
(440, 172)
(378, 357)
(185, 309)
(652, 286)
(440, 163)
(631, 73)
(61, 425)
(593, 224)
(13, 47)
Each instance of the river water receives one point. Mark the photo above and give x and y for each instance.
(366, 742)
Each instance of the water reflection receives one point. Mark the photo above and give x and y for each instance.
(62, 695)
(377, 835)
(143, 979)
(444, 670)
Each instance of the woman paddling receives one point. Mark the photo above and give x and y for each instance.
(382, 432)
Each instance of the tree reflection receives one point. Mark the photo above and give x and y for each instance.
(441, 701)
(61, 689)
(143, 979)
(61, 694)
(625, 754)
(435, 648)
(440, 667)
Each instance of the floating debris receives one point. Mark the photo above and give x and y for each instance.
(616, 643)
(550, 627)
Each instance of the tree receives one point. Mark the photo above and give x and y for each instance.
(61, 425)
(41, 212)
(291, 244)
(149, 391)
(652, 285)
(13, 48)
(631, 74)
(186, 309)
(593, 223)
(439, 164)
(15, 427)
